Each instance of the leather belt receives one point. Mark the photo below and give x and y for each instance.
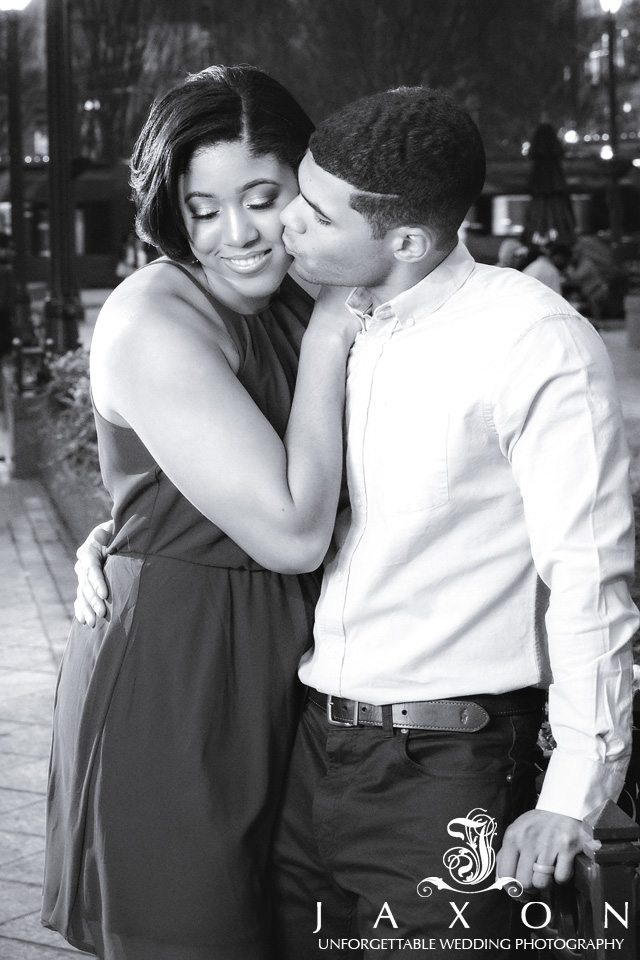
(468, 715)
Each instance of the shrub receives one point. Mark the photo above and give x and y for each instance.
(69, 432)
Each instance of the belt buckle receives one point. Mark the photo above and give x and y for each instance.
(351, 722)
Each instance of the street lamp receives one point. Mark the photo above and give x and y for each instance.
(22, 307)
(610, 8)
(62, 306)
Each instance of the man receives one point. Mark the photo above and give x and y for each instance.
(488, 480)
(485, 558)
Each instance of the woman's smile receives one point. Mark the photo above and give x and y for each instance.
(249, 262)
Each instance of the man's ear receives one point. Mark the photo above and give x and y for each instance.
(411, 244)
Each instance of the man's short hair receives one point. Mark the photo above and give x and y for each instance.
(413, 155)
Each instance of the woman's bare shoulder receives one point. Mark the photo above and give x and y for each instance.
(156, 331)
(156, 289)
(162, 302)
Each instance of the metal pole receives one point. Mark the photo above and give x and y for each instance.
(615, 209)
(22, 306)
(62, 307)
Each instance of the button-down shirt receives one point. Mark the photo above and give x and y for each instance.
(490, 541)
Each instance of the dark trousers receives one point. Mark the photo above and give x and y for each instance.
(368, 814)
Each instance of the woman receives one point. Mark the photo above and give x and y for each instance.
(174, 717)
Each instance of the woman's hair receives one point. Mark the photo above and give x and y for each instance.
(218, 105)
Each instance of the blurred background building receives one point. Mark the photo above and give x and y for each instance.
(514, 63)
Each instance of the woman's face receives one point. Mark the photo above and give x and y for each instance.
(231, 203)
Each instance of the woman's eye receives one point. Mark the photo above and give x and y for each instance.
(261, 204)
(204, 214)
(321, 220)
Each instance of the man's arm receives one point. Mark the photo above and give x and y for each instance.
(92, 588)
(559, 423)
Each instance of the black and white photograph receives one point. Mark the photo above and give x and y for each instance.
(319, 469)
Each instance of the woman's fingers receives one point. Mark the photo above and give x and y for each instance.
(83, 611)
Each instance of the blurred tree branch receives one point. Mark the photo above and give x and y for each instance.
(509, 61)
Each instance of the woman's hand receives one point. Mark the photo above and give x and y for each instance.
(92, 590)
(332, 317)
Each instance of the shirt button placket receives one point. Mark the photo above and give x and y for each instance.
(370, 350)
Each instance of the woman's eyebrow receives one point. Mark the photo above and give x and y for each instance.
(198, 193)
(242, 189)
(257, 183)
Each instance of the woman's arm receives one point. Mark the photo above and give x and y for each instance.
(175, 387)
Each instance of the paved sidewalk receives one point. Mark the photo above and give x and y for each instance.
(37, 585)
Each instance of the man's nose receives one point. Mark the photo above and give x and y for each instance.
(240, 229)
(290, 216)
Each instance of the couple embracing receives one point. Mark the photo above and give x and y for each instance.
(203, 801)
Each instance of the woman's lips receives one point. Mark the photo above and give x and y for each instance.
(248, 263)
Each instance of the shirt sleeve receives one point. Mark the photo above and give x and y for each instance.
(560, 425)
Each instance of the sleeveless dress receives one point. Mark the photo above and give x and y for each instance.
(174, 718)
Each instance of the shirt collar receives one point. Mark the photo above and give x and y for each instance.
(424, 298)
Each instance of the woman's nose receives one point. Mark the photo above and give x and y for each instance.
(240, 229)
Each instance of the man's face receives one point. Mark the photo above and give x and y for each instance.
(331, 242)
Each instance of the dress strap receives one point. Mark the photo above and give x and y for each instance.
(228, 316)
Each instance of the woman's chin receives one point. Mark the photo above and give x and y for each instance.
(249, 292)
(258, 291)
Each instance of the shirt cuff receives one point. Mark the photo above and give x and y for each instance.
(575, 786)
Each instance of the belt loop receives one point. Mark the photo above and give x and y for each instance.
(387, 719)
